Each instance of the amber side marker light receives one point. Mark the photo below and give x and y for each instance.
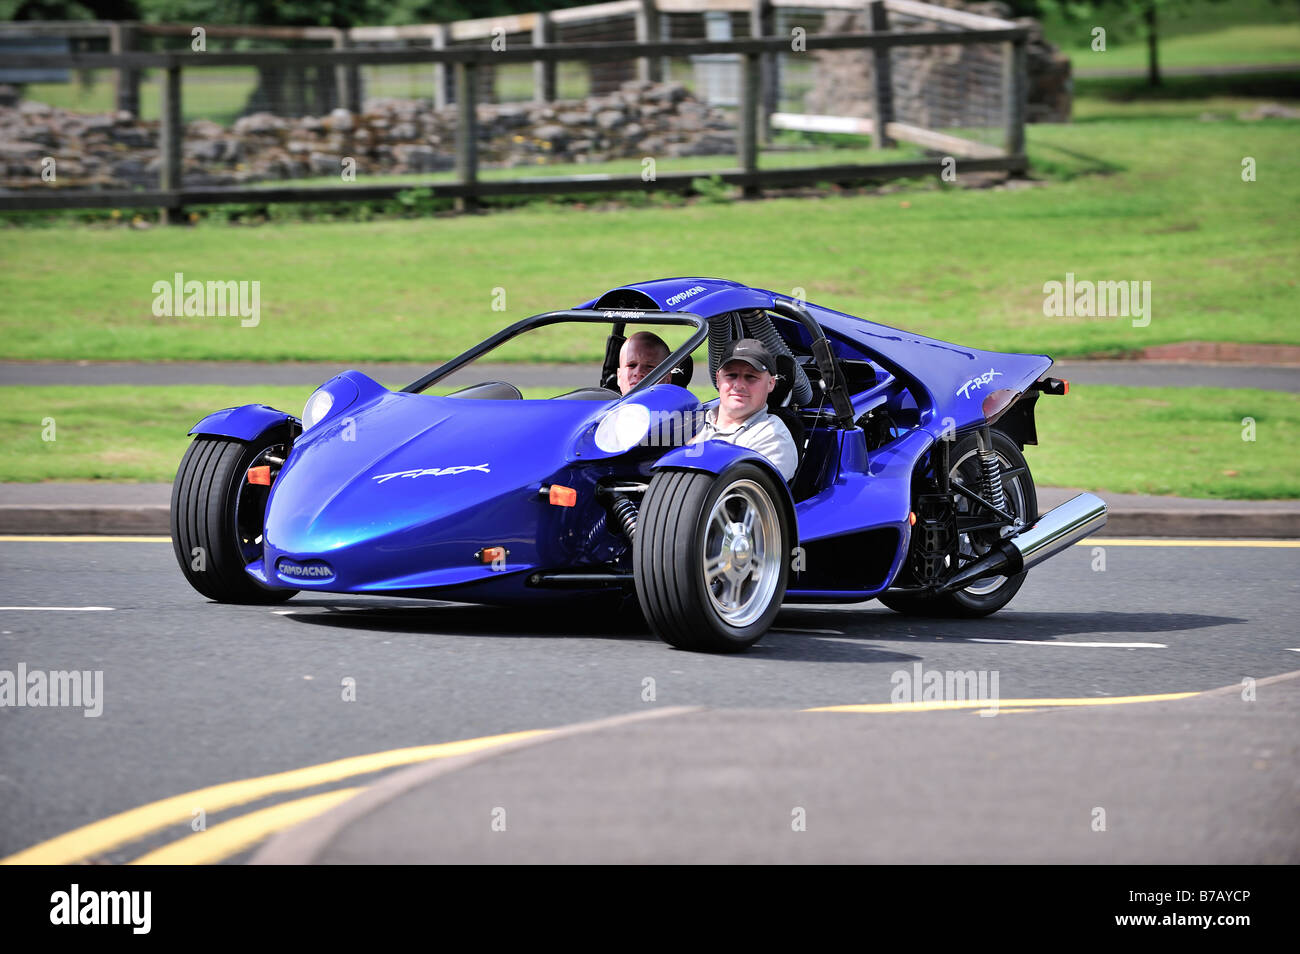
(260, 475)
(491, 555)
(911, 519)
(563, 496)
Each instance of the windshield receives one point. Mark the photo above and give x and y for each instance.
(578, 355)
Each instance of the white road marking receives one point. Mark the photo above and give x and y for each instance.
(815, 632)
(1008, 642)
(58, 609)
(1045, 642)
(1290, 650)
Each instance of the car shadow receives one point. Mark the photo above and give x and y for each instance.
(1028, 627)
(800, 633)
(466, 619)
(477, 621)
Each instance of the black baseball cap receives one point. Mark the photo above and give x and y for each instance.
(752, 351)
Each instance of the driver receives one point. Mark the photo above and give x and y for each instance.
(640, 354)
(744, 381)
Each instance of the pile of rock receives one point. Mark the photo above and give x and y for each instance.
(390, 136)
(940, 86)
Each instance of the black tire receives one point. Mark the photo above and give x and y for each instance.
(215, 514)
(685, 512)
(986, 596)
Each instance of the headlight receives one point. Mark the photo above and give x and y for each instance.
(318, 405)
(622, 428)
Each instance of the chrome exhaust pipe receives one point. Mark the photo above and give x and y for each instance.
(1078, 517)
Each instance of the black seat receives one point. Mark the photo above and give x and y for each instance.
(489, 391)
(588, 394)
(681, 375)
(777, 406)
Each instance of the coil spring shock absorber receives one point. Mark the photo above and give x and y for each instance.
(990, 471)
(625, 512)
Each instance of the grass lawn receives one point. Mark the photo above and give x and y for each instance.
(1184, 441)
(1130, 198)
(1191, 33)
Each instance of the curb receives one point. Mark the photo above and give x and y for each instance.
(78, 519)
(303, 843)
(1281, 522)
(1248, 524)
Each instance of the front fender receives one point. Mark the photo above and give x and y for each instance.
(716, 457)
(245, 423)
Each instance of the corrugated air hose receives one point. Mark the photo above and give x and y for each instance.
(758, 325)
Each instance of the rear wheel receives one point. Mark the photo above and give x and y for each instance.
(984, 596)
(709, 558)
(217, 517)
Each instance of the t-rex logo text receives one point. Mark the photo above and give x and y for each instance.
(978, 382)
(432, 472)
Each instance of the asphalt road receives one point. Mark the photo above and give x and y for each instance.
(196, 694)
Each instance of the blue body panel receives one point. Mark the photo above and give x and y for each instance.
(713, 457)
(423, 484)
(397, 492)
(245, 423)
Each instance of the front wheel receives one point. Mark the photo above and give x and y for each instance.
(217, 517)
(982, 597)
(709, 558)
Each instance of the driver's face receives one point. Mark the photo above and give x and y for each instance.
(742, 390)
(635, 361)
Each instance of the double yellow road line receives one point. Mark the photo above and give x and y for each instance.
(230, 838)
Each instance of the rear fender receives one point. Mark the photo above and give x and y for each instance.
(717, 457)
(1018, 421)
(246, 423)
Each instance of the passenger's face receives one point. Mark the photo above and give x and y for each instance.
(635, 361)
(743, 389)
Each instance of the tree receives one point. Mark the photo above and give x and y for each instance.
(1145, 10)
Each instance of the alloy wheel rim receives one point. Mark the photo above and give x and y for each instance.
(741, 553)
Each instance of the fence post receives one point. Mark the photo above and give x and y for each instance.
(665, 34)
(760, 25)
(882, 89)
(648, 68)
(1015, 67)
(170, 135)
(121, 39)
(543, 70)
(348, 77)
(467, 132)
(747, 140)
(442, 72)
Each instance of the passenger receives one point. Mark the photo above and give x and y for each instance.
(640, 354)
(741, 417)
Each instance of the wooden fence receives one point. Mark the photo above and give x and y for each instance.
(464, 62)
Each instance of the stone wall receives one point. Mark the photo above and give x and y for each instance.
(390, 136)
(940, 86)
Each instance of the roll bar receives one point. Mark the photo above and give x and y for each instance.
(616, 316)
(834, 383)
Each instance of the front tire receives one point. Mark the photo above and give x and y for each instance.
(984, 597)
(217, 518)
(709, 558)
